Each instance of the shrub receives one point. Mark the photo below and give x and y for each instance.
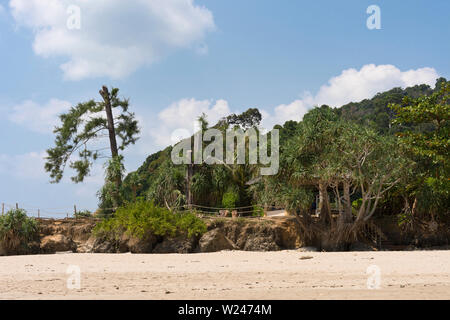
(230, 199)
(83, 214)
(141, 218)
(17, 230)
(258, 211)
(190, 224)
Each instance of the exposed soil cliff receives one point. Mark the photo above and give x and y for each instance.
(265, 234)
(223, 234)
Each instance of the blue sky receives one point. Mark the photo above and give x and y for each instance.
(178, 58)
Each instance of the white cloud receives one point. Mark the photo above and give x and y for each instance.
(351, 85)
(116, 37)
(31, 166)
(25, 166)
(356, 85)
(179, 117)
(284, 112)
(39, 118)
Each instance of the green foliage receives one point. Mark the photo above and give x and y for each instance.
(435, 196)
(375, 112)
(85, 124)
(167, 185)
(356, 205)
(248, 119)
(432, 113)
(230, 199)
(354, 144)
(149, 170)
(190, 224)
(142, 218)
(258, 211)
(17, 230)
(131, 186)
(425, 130)
(111, 195)
(83, 214)
(160, 181)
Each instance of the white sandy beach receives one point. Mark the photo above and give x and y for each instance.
(229, 275)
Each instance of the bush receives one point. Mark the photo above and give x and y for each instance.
(17, 230)
(141, 218)
(258, 211)
(230, 199)
(83, 214)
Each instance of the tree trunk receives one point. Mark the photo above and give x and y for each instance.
(109, 116)
(324, 204)
(347, 214)
(189, 195)
(414, 208)
(112, 135)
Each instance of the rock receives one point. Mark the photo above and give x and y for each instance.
(215, 240)
(175, 245)
(57, 243)
(34, 247)
(123, 245)
(136, 245)
(86, 247)
(103, 246)
(18, 248)
(81, 232)
(261, 243)
(289, 234)
(256, 237)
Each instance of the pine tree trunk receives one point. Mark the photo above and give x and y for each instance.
(109, 116)
(112, 135)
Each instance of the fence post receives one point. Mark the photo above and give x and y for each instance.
(17, 206)
(39, 213)
(75, 210)
(3, 209)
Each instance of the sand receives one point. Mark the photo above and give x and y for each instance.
(229, 275)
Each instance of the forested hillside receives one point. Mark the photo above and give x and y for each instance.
(387, 155)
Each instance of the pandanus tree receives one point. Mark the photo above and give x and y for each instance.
(328, 153)
(370, 163)
(80, 139)
(308, 152)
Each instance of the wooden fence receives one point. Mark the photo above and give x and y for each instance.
(61, 213)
